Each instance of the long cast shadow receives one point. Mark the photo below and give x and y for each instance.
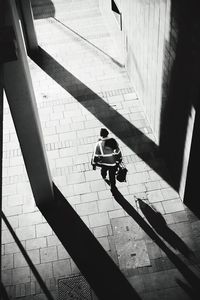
(158, 222)
(27, 258)
(144, 147)
(191, 277)
(94, 263)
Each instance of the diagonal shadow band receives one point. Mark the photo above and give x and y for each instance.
(27, 258)
(95, 264)
(187, 273)
(137, 141)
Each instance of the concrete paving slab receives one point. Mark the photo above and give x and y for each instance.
(131, 249)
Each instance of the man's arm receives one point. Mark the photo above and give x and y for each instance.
(118, 154)
(95, 156)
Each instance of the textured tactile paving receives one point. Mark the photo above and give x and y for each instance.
(75, 287)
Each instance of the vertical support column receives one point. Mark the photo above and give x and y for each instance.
(1, 146)
(191, 196)
(20, 94)
(1, 152)
(1, 126)
(28, 25)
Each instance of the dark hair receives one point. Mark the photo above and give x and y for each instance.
(104, 132)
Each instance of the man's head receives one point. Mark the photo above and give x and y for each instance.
(104, 132)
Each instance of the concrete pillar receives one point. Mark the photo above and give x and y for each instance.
(191, 196)
(1, 125)
(1, 153)
(26, 15)
(1, 149)
(22, 102)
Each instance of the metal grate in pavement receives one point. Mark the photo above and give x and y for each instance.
(75, 288)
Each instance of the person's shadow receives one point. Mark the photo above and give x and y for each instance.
(157, 221)
(191, 277)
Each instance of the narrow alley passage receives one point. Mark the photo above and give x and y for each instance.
(81, 86)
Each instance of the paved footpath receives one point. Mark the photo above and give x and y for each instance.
(80, 86)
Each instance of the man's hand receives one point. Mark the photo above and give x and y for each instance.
(118, 162)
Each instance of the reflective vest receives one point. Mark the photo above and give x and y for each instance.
(104, 155)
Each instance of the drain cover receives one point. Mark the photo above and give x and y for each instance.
(75, 287)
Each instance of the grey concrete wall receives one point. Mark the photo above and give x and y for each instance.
(145, 27)
(158, 37)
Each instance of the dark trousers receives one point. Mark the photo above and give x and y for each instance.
(111, 171)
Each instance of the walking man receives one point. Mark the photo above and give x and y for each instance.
(107, 155)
